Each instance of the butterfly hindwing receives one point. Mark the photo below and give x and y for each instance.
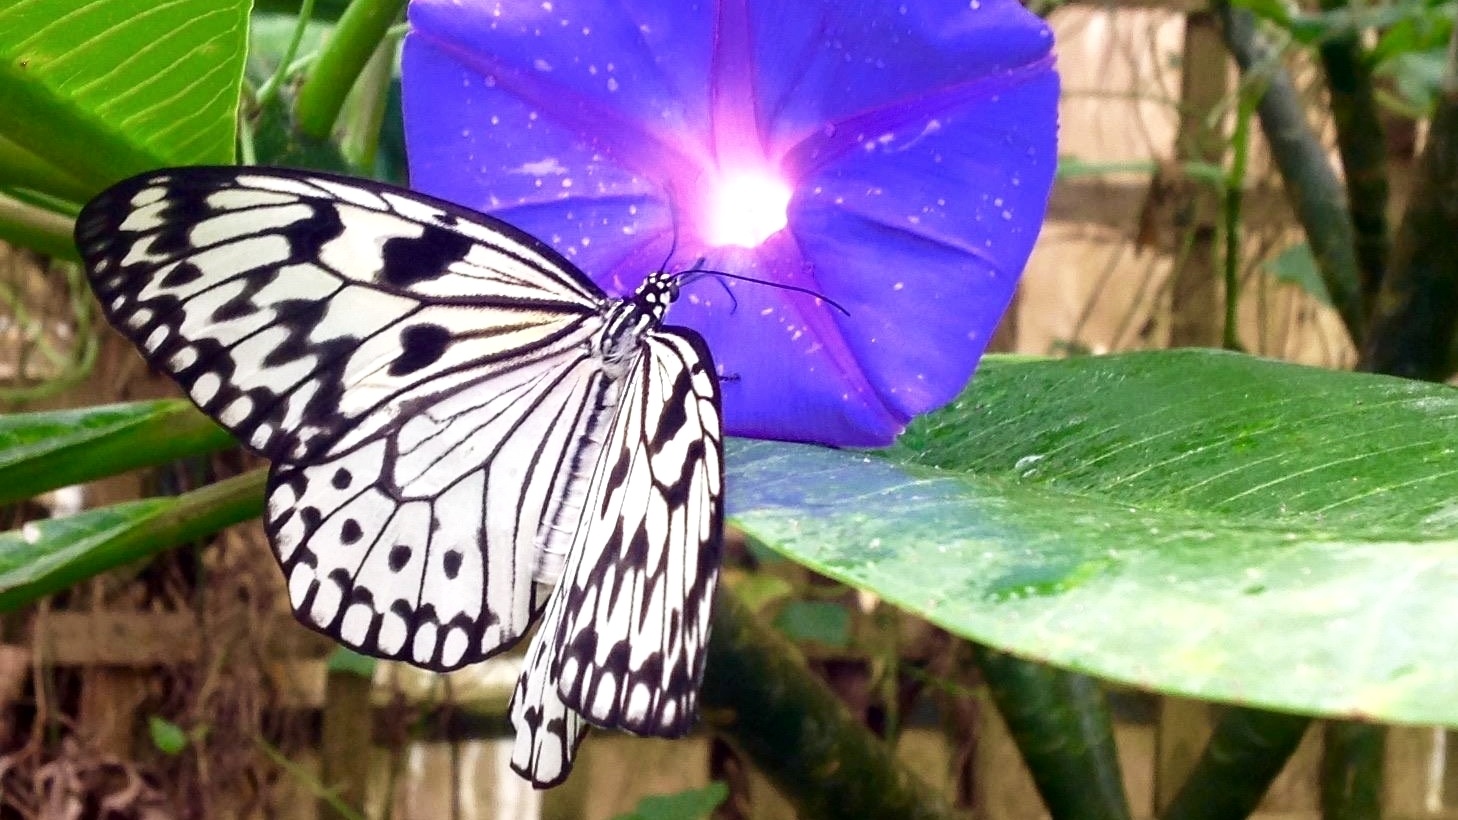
(404, 363)
(624, 638)
(432, 562)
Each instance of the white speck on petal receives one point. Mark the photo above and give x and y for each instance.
(540, 168)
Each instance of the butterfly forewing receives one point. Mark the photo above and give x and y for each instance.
(283, 301)
(624, 637)
(416, 372)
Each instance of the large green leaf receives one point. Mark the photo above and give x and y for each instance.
(1195, 522)
(109, 88)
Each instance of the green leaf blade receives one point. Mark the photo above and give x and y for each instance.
(1203, 524)
(112, 88)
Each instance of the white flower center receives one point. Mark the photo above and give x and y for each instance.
(746, 208)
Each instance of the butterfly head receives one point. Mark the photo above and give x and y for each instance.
(658, 291)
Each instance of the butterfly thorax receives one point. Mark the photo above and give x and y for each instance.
(630, 318)
(618, 344)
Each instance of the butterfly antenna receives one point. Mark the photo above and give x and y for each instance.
(781, 285)
(727, 292)
(672, 247)
(673, 231)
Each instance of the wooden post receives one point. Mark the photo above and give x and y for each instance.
(1196, 296)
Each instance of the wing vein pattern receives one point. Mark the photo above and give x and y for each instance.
(456, 417)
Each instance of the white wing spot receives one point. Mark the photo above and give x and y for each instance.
(393, 631)
(157, 337)
(301, 580)
(356, 624)
(424, 646)
(147, 196)
(183, 359)
(205, 388)
(453, 647)
(236, 411)
(326, 602)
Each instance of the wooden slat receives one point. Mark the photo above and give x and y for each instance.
(137, 639)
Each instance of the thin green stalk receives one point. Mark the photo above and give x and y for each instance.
(1234, 199)
(31, 226)
(366, 111)
(270, 88)
(1316, 194)
(343, 56)
(308, 780)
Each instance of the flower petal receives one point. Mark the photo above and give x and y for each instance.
(922, 230)
(918, 139)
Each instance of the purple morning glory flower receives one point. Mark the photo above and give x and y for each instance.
(895, 157)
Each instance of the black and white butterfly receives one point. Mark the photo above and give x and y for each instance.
(463, 428)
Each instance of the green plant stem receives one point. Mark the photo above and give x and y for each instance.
(30, 226)
(270, 89)
(1311, 183)
(366, 112)
(1248, 748)
(1363, 147)
(360, 30)
(1060, 722)
(308, 780)
(24, 169)
(1234, 199)
(760, 696)
(1415, 321)
(1351, 771)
